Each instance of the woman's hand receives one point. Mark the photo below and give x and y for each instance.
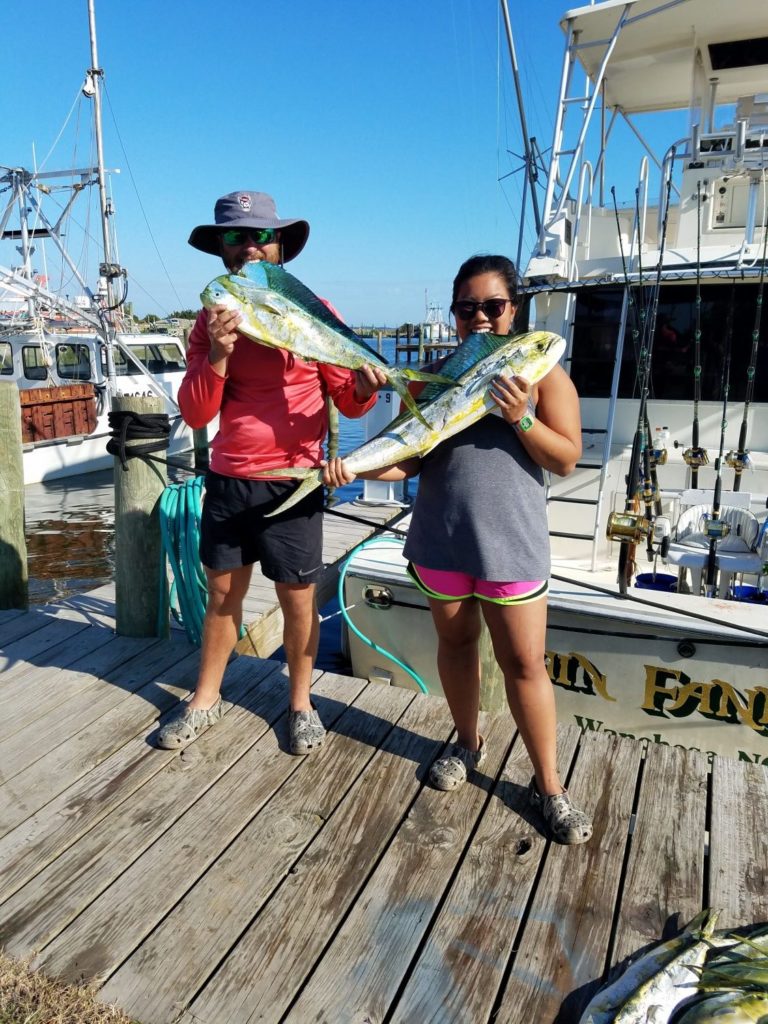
(368, 380)
(335, 473)
(511, 394)
(222, 332)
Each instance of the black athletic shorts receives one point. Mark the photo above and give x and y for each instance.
(234, 531)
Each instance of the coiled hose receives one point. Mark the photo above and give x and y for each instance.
(180, 506)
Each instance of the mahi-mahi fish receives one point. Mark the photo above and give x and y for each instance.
(651, 987)
(486, 356)
(277, 310)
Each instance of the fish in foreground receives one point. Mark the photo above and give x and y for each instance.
(279, 311)
(733, 1007)
(651, 988)
(451, 409)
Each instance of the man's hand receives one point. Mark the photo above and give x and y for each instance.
(368, 380)
(335, 473)
(222, 332)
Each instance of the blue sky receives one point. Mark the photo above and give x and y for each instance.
(385, 123)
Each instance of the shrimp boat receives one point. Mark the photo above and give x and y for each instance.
(69, 357)
(658, 611)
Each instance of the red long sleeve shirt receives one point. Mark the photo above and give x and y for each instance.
(271, 405)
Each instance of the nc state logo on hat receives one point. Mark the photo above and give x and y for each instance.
(245, 202)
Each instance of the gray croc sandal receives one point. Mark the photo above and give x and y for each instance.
(453, 770)
(565, 823)
(187, 725)
(305, 731)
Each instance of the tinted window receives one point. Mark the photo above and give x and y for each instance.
(6, 358)
(598, 313)
(73, 362)
(33, 362)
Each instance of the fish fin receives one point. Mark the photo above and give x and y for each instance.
(280, 280)
(396, 380)
(309, 484)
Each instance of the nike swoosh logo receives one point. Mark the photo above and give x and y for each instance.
(308, 571)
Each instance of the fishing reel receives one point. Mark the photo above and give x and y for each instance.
(695, 457)
(627, 527)
(738, 461)
(715, 529)
(657, 456)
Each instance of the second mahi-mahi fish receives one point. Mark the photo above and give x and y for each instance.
(452, 409)
(277, 310)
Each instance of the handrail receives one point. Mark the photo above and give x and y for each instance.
(641, 213)
(586, 167)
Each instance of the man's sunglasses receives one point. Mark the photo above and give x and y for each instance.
(261, 236)
(492, 308)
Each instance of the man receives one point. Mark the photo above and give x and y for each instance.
(272, 413)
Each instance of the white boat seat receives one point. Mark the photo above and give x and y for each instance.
(735, 554)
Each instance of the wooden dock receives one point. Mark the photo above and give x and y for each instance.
(232, 882)
(423, 351)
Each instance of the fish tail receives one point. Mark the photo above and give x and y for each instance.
(313, 479)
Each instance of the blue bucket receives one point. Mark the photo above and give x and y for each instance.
(745, 592)
(656, 581)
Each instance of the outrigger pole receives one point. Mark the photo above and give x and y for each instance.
(531, 172)
(696, 456)
(715, 528)
(629, 527)
(108, 270)
(739, 459)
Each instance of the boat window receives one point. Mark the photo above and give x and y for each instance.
(33, 361)
(740, 53)
(73, 361)
(158, 357)
(598, 312)
(6, 357)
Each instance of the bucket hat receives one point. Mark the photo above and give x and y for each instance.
(249, 210)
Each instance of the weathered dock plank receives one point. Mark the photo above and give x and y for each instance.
(91, 656)
(232, 882)
(275, 842)
(568, 927)
(41, 909)
(738, 843)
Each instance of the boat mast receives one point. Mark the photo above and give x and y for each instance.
(108, 270)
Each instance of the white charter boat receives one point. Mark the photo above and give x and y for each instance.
(658, 618)
(70, 357)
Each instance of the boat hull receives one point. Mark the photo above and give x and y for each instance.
(643, 671)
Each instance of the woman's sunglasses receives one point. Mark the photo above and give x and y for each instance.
(492, 308)
(261, 236)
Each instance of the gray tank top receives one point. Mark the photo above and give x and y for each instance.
(481, 507)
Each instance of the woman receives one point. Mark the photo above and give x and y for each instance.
(478, 544)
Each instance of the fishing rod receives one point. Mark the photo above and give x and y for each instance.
(650, 488)
(629, 527)
(739, 460)
(716, 529)
(696, 456)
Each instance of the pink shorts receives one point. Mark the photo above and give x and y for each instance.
(457, 586)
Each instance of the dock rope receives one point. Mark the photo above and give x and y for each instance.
(153, 428)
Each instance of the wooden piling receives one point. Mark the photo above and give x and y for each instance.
(14, 585)
(137, 532)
